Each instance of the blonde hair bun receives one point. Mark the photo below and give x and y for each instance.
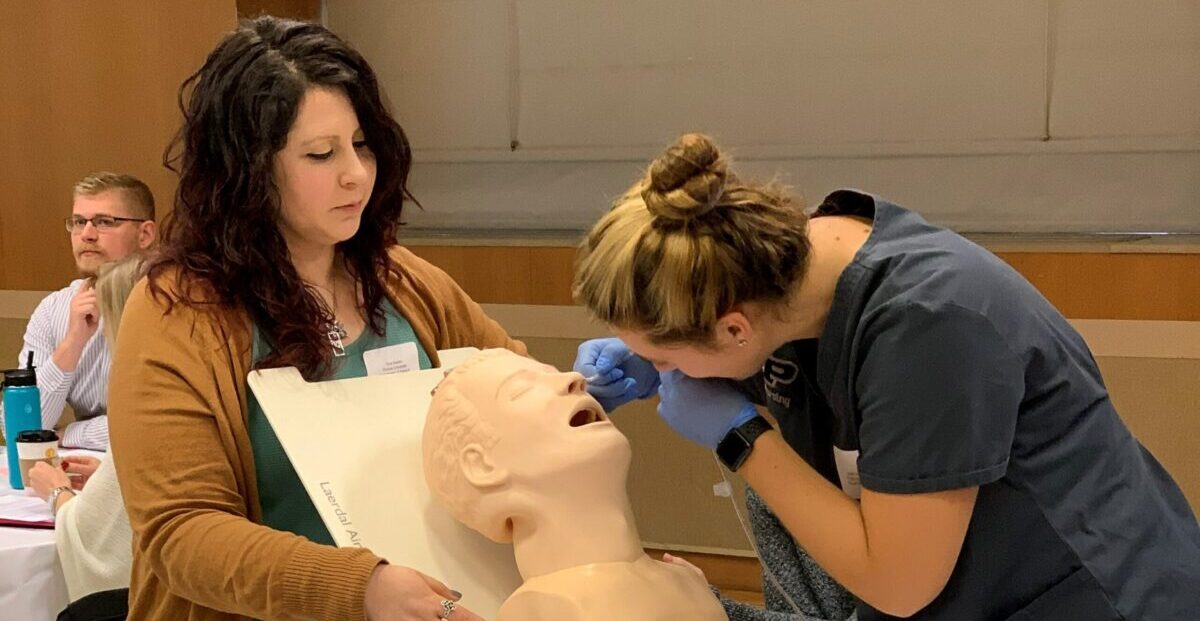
(687, 180)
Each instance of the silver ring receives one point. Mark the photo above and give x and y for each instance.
(447, 609)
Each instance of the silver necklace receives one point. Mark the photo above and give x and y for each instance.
(335, 331)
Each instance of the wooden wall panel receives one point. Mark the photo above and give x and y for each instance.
(1082, 285)
(306, 10)
(1115, 286)
(87, 86)
(507, 274)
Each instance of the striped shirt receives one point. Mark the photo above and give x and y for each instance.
(85, 388)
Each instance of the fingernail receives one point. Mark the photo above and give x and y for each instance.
(456, 594)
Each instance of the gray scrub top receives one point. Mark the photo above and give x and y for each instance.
(946, 369)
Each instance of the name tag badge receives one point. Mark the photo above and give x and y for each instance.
(847, 465)
(392, 359)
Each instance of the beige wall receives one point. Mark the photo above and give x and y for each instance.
(1139, 313)
(1152, 369)
(671, 480)
(1159, 398)
(1152, 366)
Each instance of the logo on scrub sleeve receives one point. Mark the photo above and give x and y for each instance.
(777, 375)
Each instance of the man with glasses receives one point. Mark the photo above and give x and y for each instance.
(112, 217)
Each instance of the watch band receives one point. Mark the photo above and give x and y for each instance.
(52, 499)
(735, 447)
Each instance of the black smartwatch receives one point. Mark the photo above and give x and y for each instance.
(735, 447)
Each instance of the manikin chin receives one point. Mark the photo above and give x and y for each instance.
(521, 453)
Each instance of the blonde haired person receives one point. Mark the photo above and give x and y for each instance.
(944, 446)
(91, 529)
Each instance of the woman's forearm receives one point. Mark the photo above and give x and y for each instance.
(878, 553)
(822, 519)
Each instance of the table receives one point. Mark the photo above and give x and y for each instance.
(31, 580)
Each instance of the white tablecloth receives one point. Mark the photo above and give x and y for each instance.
(31, 580)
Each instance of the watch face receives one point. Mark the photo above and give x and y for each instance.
(732, 450)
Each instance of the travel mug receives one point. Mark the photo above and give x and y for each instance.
(36, 445)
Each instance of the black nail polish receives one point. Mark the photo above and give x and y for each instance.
(456, 594)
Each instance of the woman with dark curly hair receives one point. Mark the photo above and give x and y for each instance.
(281, 251)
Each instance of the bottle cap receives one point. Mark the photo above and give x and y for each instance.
(21, 377)
(37, 435)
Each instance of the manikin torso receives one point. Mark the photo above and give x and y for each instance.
(552, 481)
(642, 590)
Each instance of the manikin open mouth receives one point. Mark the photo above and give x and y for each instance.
(586, 416)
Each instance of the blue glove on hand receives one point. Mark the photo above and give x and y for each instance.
(702, 410)
(619, 375)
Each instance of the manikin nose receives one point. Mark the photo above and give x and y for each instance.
(574, 383)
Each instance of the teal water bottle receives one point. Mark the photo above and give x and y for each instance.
(22, 412)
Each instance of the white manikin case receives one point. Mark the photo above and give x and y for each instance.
(356, 445)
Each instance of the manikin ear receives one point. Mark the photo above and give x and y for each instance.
(734, 329)
(478, 468)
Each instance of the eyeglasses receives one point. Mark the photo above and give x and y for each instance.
(76, 224)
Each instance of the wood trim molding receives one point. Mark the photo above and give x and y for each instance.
(507, 274)
(1105, 337)
(1115, 286)
(1125, 286)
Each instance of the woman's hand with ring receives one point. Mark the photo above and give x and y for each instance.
(404, 594)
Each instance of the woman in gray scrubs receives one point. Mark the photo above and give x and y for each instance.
(943, 444)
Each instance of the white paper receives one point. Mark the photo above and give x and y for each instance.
(25, 509)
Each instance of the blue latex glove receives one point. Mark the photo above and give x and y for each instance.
(618, 376)
(702, 410)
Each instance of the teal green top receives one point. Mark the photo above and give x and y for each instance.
(285, 504)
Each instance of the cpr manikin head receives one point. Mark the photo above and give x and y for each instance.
(509, 438)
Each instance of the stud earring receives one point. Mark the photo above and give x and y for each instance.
(742, 342)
